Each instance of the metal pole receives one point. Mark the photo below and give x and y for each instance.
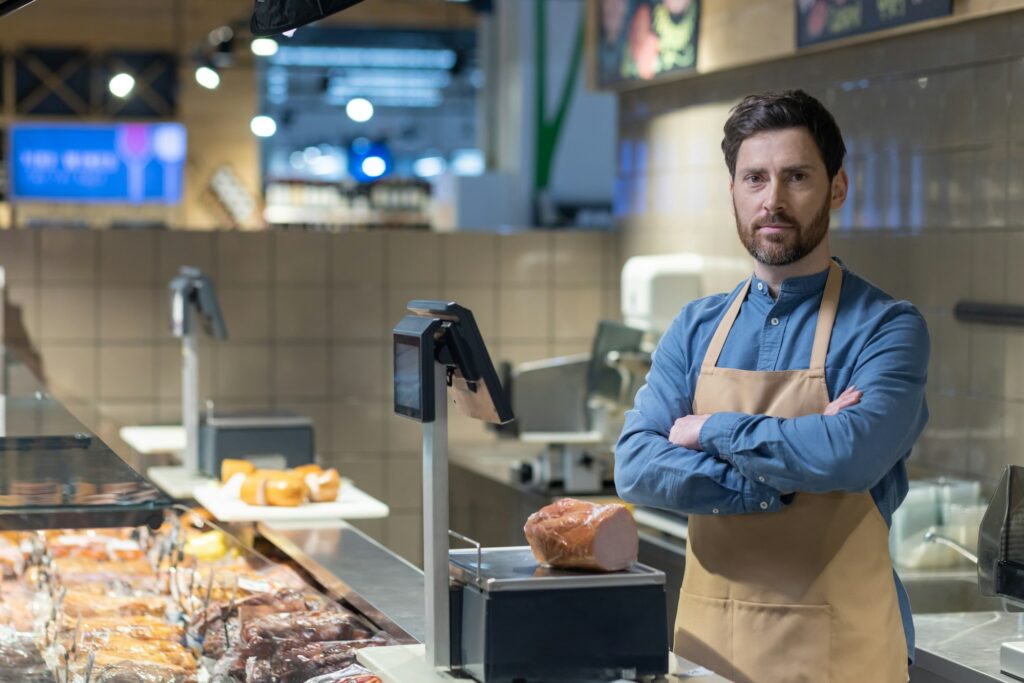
(190, 399)
(435, 525)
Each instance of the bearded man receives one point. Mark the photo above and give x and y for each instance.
(779, 417)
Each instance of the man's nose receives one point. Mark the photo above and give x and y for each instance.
(774, 198)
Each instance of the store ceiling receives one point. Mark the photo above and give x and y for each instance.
(423, 86)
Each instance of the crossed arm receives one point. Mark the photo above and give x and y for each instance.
(735, 463)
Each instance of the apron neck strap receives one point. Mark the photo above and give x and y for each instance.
(826, 316)
(718, 341)
(822, 331)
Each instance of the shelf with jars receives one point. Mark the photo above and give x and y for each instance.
(391, 203)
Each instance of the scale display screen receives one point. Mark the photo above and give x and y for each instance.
(408, 376)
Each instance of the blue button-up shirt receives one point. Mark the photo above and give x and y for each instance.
(752, 463)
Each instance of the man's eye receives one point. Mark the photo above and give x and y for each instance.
(799, 177)
(753, 179)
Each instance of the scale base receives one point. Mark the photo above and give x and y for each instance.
(403, 664)
(1011, 659)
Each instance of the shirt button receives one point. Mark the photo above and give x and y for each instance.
(714, 510)
(764, 505)
(775, 321)
(761, 479)
(760, 286)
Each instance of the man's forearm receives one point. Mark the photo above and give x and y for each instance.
(649, 470)
(814, 453)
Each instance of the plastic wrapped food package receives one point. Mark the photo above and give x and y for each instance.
(576, 534)
(83, 604)
(139, 627)
(113, 670)
(135, 649)
(21, 660)
(299, 664)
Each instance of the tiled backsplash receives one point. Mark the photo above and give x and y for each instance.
(934, 123)
(309, 317)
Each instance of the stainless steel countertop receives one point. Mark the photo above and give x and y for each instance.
(350, 564)
(964, 647)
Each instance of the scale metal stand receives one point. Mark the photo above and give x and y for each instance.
(192, 296)
(437, 347)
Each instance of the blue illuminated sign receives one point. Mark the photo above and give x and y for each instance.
(131, 163)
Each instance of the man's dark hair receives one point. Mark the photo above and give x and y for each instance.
(776, 111)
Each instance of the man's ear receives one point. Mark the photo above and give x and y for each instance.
(840, 186)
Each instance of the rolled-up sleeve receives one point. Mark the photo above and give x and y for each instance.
(650, 470)
(850, 451)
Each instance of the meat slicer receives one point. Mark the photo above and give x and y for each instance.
(495, 614)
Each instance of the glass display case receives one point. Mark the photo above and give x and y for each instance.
(104, 579)
(54, 473)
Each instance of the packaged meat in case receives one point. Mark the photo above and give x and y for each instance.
(159, 607)
(576, 534)
(22, 662)
(350, 674)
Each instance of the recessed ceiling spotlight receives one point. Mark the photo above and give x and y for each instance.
(264, 47)
(121, 85)
(263, 126)
(359, 109)
(207, 77)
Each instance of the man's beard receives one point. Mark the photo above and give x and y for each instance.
(789, 247)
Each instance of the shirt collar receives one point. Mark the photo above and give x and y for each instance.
(804, 284)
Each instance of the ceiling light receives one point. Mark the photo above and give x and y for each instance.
(359, 109)
(207, 77)
(121, 85)
(263, 126)
(264, 47)
(374, 167)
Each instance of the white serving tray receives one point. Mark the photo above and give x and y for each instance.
(351, 503)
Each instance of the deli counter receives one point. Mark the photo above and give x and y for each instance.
(106, 579)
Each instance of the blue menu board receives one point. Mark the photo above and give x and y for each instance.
(131, 163)
(818, 21)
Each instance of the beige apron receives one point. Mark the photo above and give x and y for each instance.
(802, 594)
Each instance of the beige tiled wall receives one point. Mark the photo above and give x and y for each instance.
(933, 123)
(309, 317)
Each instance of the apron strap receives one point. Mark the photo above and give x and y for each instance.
(822, 331)
(826, 316)
(722, 333)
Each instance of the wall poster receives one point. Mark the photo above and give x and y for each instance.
(642, 39)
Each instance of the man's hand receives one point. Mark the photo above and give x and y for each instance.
(686, 431)
(850, 397)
